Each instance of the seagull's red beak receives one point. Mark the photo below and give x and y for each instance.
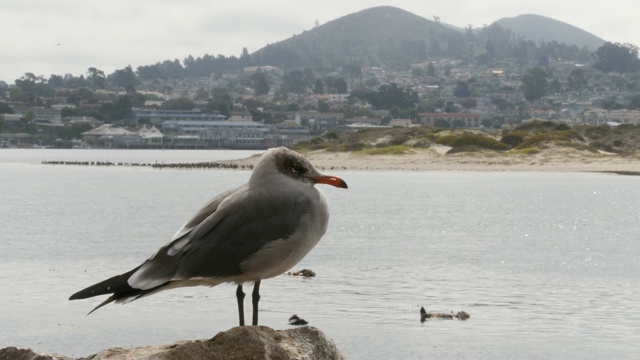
(331, 180)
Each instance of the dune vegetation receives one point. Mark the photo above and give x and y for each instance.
(526, 139)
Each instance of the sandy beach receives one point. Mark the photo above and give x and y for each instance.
(435, 159)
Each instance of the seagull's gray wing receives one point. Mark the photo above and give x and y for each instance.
(206, 211)
(162, 265)
(215, 245)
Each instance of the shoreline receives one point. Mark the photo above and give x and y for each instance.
(557, 159)
(434, 159)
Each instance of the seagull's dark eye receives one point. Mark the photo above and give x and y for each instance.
(297, 169)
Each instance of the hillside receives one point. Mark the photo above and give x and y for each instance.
(540, 28)
(375, 36)
(389, 36)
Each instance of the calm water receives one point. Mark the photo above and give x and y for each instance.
(546, 263)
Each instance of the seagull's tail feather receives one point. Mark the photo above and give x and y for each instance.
(118, 287)
(112, 285)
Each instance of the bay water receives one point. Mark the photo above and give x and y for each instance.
(546, 264)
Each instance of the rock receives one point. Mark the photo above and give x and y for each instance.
(242, 342)
(13, 353)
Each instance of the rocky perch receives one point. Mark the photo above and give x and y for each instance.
(246, 342)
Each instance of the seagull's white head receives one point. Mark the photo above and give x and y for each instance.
(284, 162)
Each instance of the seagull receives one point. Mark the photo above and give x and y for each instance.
(253, 232)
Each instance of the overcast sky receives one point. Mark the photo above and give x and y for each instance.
(47, 37)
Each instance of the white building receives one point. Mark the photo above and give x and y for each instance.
(602, 117)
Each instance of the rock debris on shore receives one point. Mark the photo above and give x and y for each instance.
(238, 343)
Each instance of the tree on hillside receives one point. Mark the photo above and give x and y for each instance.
(296, 81)
(622, 58)
(469, 103)
(535, 84)
(555, 86)
(34, 85)
(634, 102)
(578, 79)
(336, 85)
(392, 95)
(181, 103)
(118, 110)
(96, 77)
(201, 94)
(245, 58)
(352, 71)
(612, 104)
(6, 109)
(450, 107)
(166, 70)
(124, 77)
(78, 96)
(462, 90)
(431, 70)
(318, 87)
(260, 83)
(220, 101)
(56, 81)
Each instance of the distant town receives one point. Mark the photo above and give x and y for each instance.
(257, 107)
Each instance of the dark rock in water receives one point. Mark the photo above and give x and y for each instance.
(296, 320)
(239, 343)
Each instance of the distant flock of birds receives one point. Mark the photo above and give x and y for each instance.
(185, 166)
(203, 165)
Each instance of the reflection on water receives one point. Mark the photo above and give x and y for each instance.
(545, 263)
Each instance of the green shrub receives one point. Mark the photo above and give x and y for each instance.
(422, 143)
(577, 146)
(539, 139)
(601, 145)
(391, 150)
(399, 139)
(472, 139)
(598, 132)
(541, 126)
(352, 146)
(312, 144)
(464, 149)
(331, 135)
(515, 138)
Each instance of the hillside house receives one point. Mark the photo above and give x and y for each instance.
(601, 117)
(469, 120)
(105, 135)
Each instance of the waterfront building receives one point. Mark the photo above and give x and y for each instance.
(158, 117)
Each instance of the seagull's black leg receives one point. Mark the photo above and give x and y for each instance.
(255, 297)
(240, 297)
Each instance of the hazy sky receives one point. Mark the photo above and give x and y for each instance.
(68, 36)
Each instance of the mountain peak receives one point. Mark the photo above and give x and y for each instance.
(541, 28)
(387, 35)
